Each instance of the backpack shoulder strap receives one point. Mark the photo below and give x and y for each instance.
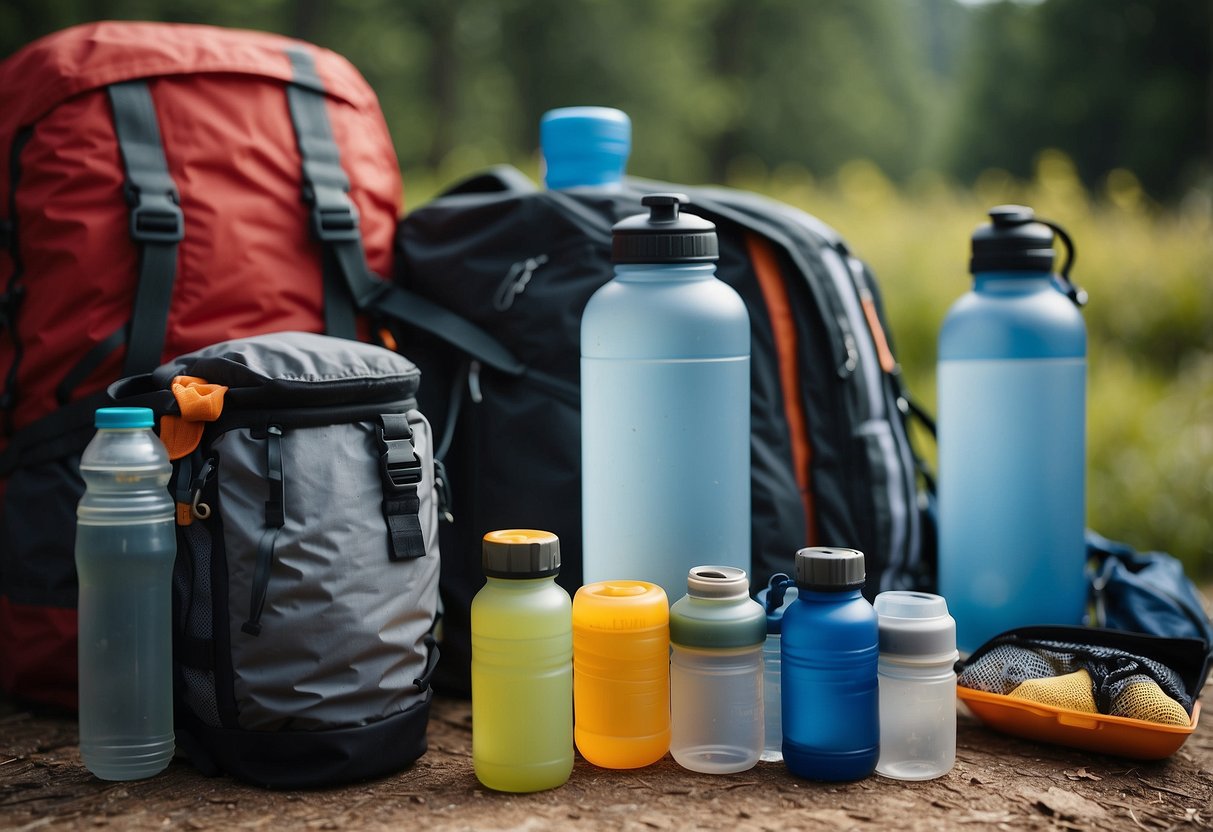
(497, 179)
(334, 218)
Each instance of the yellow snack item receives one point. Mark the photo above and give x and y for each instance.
(1071, 690)
(1146, 700)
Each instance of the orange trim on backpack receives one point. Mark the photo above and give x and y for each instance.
(887, 362)
(783, 326)
(199, 402)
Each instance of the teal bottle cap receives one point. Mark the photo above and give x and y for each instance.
(118, 418)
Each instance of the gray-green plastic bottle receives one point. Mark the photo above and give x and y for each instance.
(125, 545)
(716, 708)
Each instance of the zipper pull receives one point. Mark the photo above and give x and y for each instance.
(474, 382)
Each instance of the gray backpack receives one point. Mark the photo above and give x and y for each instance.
(306, 580)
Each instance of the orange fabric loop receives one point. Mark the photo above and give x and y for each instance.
(199, 402)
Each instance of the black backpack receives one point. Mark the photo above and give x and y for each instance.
(831, 458)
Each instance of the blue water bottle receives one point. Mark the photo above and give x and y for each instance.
(126, 540)
(665, 406)
(584, 146)
(1012, 436)
(831, 644)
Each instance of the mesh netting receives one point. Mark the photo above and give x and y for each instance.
(1082, 677)
(199, 684)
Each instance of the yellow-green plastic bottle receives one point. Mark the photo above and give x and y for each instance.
(522, 665)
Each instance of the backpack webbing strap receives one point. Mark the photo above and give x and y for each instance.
(334, 219)
(10, 301)
(275, 519)
(401, 470)
(349, 284)
(157, 225)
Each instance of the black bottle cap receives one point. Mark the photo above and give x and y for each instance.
(1012, 241)
(827, 569)
(664, 235)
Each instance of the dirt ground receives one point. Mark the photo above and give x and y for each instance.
(998, 782)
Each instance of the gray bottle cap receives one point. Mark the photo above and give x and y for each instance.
(718, 582)
(520, 553)
(826, 569)
(915, 625)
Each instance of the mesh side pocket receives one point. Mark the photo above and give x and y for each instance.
(1005, 668)
(199, 692)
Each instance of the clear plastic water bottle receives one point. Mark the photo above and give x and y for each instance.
(775, 598)
(621, 673)
(1012, 436)
(522, 665)
(665, 406)
(831, 706)
(917, 685)
(126, 541)
(584, 146)
(716, 635)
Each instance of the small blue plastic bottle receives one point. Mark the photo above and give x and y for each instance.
(584, 146)
(1012, 436)
(830, 651)
(665, 406)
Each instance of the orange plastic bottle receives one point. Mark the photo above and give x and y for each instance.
(621, 673)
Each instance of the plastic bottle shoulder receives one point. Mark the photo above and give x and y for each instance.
(1013, 317)
(674, 312)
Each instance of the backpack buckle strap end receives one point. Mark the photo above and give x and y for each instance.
(398, 461)
(400, 467)
(156, 217)
(334, 216)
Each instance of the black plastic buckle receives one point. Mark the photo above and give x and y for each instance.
(156, 218)
(334, 216)
(399, 463)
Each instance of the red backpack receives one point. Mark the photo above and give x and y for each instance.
(162, 188)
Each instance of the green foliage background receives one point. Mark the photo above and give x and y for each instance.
(897, 121)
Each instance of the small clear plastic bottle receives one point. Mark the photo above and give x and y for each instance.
(775, 598)
(716, 632)
(522, 665)
(126, 541)
(917, 685)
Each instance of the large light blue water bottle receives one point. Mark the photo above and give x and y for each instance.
(584, 146)
(831, 647)
(665, 406)
(1012, 436)
(125, 545)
